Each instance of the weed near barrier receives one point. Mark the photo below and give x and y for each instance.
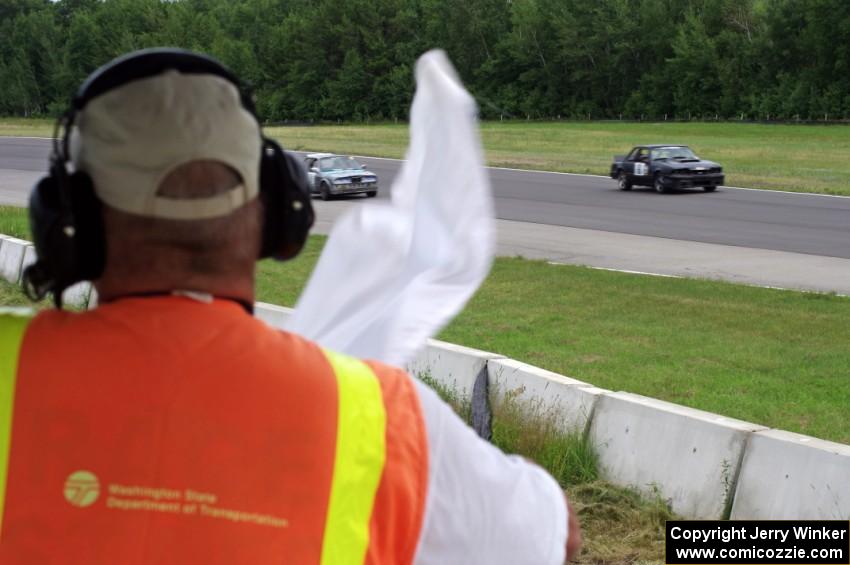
(619, 524)
(534, 431)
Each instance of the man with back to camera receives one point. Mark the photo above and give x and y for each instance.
(170, 426)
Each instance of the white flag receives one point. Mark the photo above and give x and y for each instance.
(392, 275)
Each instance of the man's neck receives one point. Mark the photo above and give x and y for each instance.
(235, 288)
(199, 297)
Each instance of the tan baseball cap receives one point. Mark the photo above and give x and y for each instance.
(131, 137)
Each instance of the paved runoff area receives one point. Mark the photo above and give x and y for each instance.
(783, 240)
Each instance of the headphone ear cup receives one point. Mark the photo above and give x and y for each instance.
(67, 232)
(52, 246)
(287, 208)
(302, 201)
(87, 210)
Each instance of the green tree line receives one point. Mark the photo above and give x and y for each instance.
(353, 59)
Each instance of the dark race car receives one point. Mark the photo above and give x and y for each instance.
(665, 168)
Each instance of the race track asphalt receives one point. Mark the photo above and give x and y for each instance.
(753, 236)
(800, 223)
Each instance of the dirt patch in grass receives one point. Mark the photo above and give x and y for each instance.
(619, 525)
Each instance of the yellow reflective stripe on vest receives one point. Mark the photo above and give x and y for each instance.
(12, 328)
(359, 461)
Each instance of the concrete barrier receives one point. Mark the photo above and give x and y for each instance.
(567, 403)
(689, 457)
(77, 294)
(453, 366)
(17, 254)
(12, 251)
(273, 315)
(29, 258)
(3, 237)
(791, 476)
(93, 300)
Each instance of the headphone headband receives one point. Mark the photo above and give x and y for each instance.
(151, 62)
(66, 214)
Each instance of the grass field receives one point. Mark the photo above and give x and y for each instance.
(803, 158)
(773, 357)
(14, 222)
(26, 127)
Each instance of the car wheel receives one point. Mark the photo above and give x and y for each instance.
(658, 185)
(371, 193)
(623, 181)
(325, 191)
(711, 188)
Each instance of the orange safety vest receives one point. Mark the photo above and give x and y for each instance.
(165, 430)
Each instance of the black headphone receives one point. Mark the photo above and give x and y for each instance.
(66, 214)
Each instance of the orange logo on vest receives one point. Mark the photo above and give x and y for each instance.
(82, 488)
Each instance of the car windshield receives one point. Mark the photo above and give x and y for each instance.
(673, 153)
(338, 164)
